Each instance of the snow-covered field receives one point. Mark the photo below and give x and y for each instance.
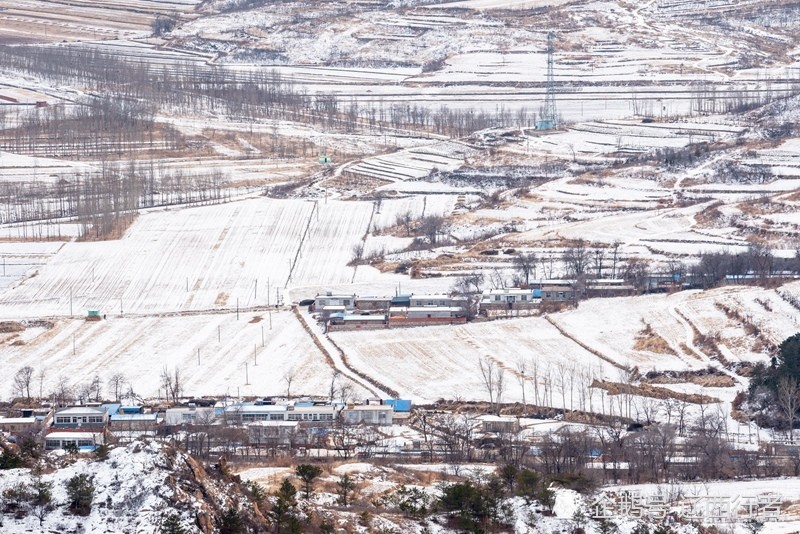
(215, 354)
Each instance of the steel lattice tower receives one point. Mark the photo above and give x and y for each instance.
(549, 116)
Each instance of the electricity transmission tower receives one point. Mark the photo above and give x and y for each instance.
(548, 118)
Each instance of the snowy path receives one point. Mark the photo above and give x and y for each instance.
(336, 357)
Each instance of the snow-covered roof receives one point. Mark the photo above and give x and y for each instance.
(73, 435)
(80, 410)
(17, 420)
(363, 317)
(253, 408)
(508, 291)
(434, 308)
(290, 424)
(368, 408)
(134, 417)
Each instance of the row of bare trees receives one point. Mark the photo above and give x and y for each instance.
(27, 384)
(194, 87)
(99, 201)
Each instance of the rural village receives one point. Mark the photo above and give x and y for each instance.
(400, 266)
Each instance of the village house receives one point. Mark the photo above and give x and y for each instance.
(440, 301)
(134, 422)
(189, 415)
(83, 440)
(369, 414)
(19, 425)
(351, 321)
(348, 302)
(273, 434)
(603, 288)
(555, 290)
(80, 417)
(509, 301)
(373, 303)
(312, 412)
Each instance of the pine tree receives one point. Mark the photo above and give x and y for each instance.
(307, 474)
(231, 522)
(171, 524)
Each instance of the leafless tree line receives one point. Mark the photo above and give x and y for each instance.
(98, 201)
(29, 385)
(252, 95)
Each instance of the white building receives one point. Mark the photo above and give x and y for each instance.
(368, 414)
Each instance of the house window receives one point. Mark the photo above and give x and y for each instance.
(347, 302)
(95, 419)
(561, 295)
(524, 297)
(497, 298)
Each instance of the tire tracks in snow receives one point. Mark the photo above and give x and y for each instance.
(581, 344)
(337, 359)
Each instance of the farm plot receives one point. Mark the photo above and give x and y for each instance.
(744, 323)
(19, 168)
(23, 259)
(429, 363)
(413, 163)
(632, 317)
(199, 258)
(498, 4)
(54, 20)
(248, 355)
(655, 231)
(615, 139)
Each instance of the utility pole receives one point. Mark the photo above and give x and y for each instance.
(255, 355)
(549, 115)
(246, 375)
(198, 356)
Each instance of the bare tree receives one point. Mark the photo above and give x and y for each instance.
(172, 384)
(117, 383)
(63, 393)
(22, 382)
(405, 220)
(493, 379)
(288, 377)
(432, 227)
(576, 258)
(470, 284)
(332, 388)
(41, 376)
(788, 401)
(522, 376)
(525, 263)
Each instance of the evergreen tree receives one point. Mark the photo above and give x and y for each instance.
(80, 491)
(284, 511)
(171, 524)
(307, 474)
(231, 522)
